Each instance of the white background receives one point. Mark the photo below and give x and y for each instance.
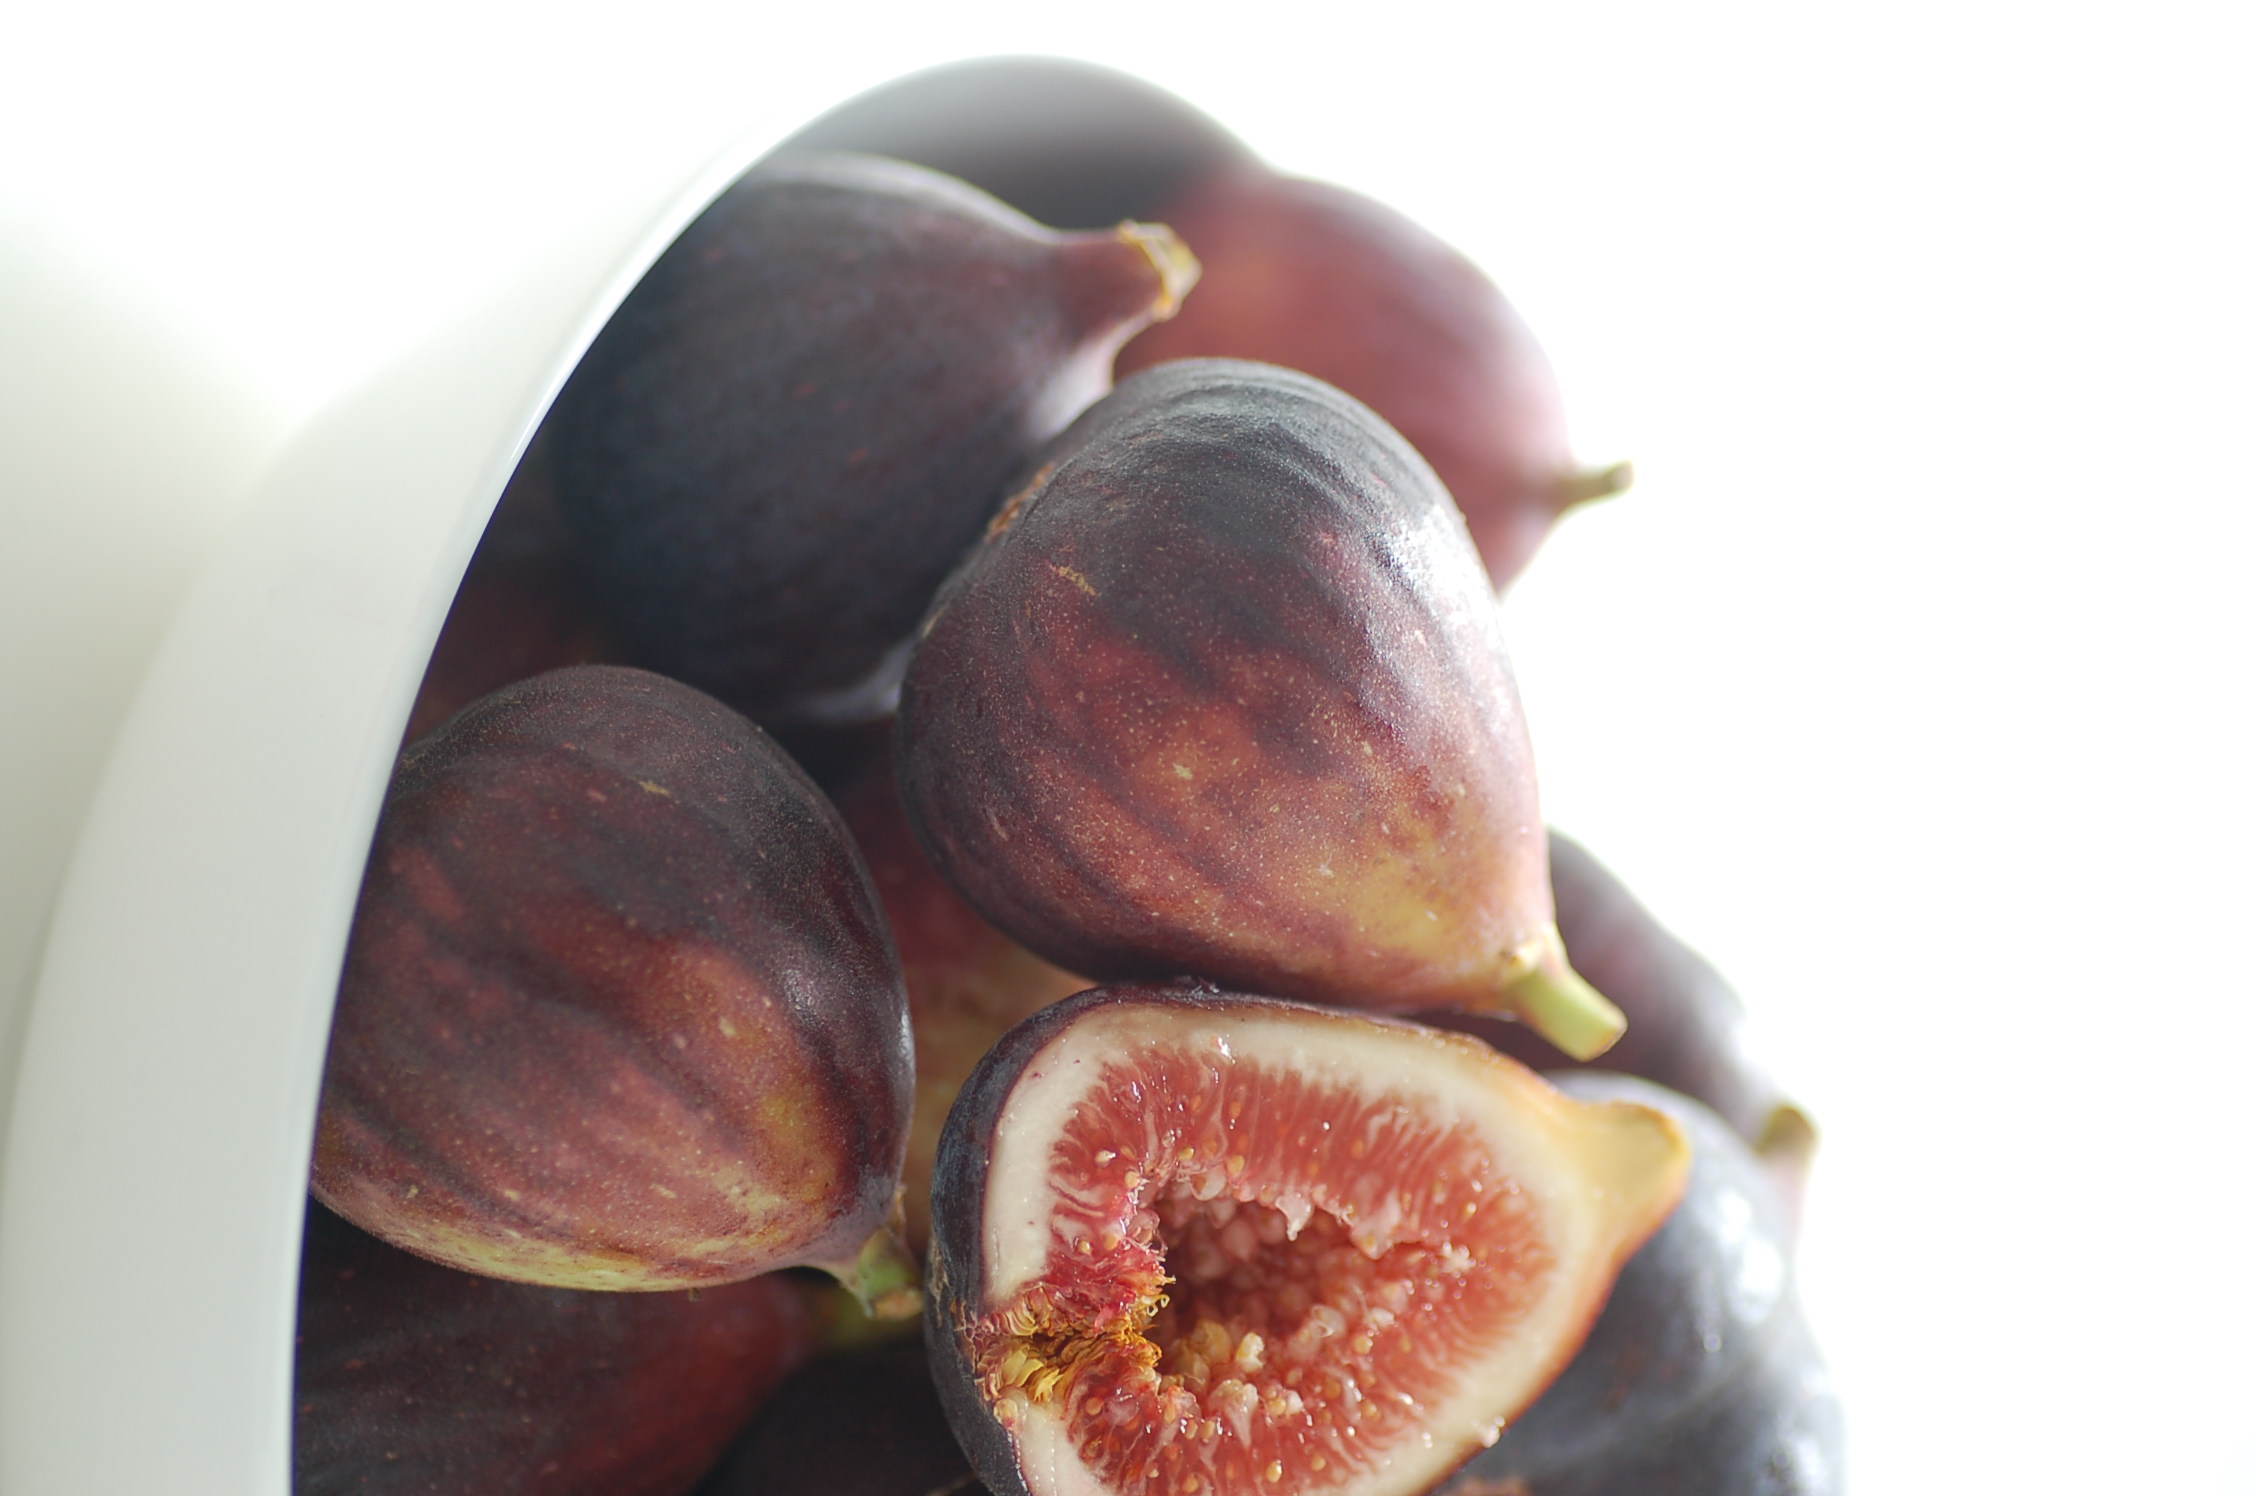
(1911, 682)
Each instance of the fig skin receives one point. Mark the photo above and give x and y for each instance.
(1701, 1375)
(1223, 694)
(808, 408)
(1627, 1168)
(1067, 143)
(524, 607)
(618, 1009)
(1688, 1030)
(417, 1380)
(865, 1423)
(1322, 279)
(968, 983)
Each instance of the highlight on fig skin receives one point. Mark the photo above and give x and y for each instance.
(1191, 1240)
(1321, 279)
(619, 1009)
(1223, 694)
(809, 407)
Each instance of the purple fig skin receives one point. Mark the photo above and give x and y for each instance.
(808, 408)
(1065, 142)
(619, 1009)
(864, 1423)
(1701, 1375)
(1325, 280)
(414, 1379)
(1688, 1030)
(1223, 694)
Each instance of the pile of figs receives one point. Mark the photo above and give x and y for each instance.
(945, 922)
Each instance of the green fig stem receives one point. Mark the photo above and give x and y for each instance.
(1788, 1138)
(1178, 268)
(1557, 1003)
(1586, 484)
(883, 1277)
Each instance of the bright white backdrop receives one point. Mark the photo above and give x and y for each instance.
(1911, 683)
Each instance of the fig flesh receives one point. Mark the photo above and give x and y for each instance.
(417, 1380)
(1325, 280)
(619, 1009)
(1186, 1240)
(809, 407)
(1701, 1375)
(1223, 694)
(1067, 143)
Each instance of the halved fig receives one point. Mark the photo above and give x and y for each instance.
(1202, 1244)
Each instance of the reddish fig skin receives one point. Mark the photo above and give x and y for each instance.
(866, 1423)
(1223, 694)
(1067, 143)
(810, 406)
(415, 1379)
(1688, 1030)
(968, 982)
(1701, 1375)
(524, 607)
(1020, 1363)
(619, 1009)
(1321, 279)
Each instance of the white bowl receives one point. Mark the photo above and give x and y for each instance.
(171, 1045)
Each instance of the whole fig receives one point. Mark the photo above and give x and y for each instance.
(809, 407)
(619, 1009)
(1325, 280)
(1223, 694)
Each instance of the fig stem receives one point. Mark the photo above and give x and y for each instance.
(1178, 268)
(883, 1277)
(1557, 1003)
(1586, 484)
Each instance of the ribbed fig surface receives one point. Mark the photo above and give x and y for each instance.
(1067, 143)
(1325, 280)
(808, 408)
(1223, 694)
(417, 1380)
(1701, 1375)
(618, 1009)
(1185, 1240)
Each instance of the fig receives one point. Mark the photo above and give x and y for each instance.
(968, 983)
(807, 410)
(1701, 1375)
(618, 1009)
(865, 1423)
(1067, 143)
(1325, 280)
(417, 1380)
(1223, 695)
(1688, 1030)
(1191, 1241)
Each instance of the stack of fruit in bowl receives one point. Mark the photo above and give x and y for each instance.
(1108, 940)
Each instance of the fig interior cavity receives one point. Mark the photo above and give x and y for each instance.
(1230, 1245)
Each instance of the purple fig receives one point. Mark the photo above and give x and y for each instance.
(619, 1009)
(1223, 695)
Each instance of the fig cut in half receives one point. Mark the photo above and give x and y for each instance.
(1200, 1244)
